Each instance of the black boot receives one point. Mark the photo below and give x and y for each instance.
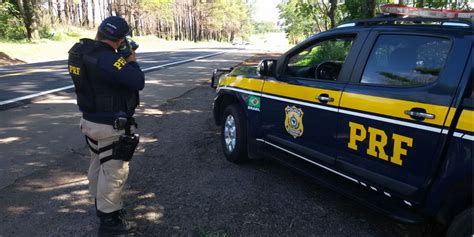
(115, 224)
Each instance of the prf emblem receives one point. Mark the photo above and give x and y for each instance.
(294, 121)
(74, 70)
(120, 63)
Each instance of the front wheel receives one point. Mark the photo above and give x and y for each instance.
(234, 134)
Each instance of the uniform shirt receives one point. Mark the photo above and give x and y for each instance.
(116, 70)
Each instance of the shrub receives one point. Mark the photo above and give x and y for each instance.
(46, 32)
(72, 33)
(11, 25)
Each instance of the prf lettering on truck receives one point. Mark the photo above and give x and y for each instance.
(377, 141)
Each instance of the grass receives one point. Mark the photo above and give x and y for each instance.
(61, 38)
(44, 50)
(48, 50)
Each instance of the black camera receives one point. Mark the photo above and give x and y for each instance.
(127, 47)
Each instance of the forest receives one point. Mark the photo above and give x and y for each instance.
(191, 20)
(302, 18)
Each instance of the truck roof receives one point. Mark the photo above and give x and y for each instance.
(437, 24)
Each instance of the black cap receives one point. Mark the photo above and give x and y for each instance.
(114, 27)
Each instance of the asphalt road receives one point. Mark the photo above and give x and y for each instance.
(22, 80)
(180, 183)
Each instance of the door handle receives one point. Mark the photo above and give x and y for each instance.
(324, 98)
(419, 114)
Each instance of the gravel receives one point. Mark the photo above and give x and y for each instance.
(181, 185)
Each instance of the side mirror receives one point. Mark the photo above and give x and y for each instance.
(217, 75)
(267, 67)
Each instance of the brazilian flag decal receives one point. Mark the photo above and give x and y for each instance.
(254, 103)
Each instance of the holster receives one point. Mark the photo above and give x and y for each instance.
(125, 147)
(128, 142)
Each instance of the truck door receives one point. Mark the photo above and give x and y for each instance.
(395, 110)
(300, 106)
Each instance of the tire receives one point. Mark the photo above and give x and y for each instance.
(234, 134)
(461, 226)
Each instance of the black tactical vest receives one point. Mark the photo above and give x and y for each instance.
(94, 94)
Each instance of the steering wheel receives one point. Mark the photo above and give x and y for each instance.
(327, 71)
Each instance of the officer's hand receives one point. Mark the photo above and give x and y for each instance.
(132, 57)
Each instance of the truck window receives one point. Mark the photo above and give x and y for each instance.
(404, 60)
(321, 61)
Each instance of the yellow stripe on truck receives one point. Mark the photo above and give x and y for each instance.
(466, 121)
(242, 83)
(363, 103)
(300, 92)
(392, 107)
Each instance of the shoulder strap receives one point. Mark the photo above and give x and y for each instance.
(90, 51)
(85, 49)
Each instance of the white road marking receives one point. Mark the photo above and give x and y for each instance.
(179, 62)
(27, 97)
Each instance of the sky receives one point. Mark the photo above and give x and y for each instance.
(266, 10)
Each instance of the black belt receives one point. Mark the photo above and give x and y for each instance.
(100, 120)
(125, 123)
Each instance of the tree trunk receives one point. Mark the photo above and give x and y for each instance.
(370, 8)
(110, 7)
(31, 19)
(66, 12)
(85, 13)
(51, 11)
(136, 23)
(93, 13)
(332, 12)
(59, 13)
(72, 10)
(77, 11)
(196, 30)
(118, 8)
(102, 9)
(21, 8)
(419, 3)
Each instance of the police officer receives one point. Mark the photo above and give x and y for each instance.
(107, 85)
